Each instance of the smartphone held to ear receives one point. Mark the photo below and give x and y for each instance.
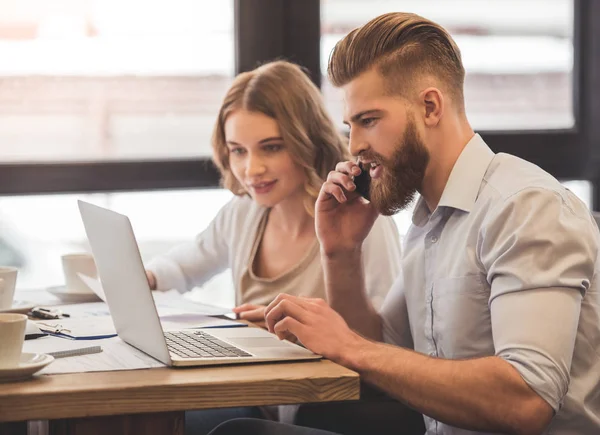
(363, 182)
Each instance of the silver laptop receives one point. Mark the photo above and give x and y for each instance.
(134, 314)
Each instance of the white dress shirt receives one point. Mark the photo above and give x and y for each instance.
(506, 265)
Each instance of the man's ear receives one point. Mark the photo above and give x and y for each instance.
(433, 103)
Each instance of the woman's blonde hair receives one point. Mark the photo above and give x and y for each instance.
(282, 91)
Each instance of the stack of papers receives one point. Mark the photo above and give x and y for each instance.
(169, 300)
(116, 355)
(98, 327)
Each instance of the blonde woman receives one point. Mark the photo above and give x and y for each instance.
(274, 144)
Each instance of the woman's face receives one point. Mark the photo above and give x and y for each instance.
(259, 159)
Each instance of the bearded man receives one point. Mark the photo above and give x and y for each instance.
(494, 324)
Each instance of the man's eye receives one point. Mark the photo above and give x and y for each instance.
(366, 122)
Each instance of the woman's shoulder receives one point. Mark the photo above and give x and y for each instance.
(385, 227)
(383, 236)
(241, 210)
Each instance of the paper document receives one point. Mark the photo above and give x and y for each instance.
(93, 284)
(94, 328)
(85, 310)
(116, 355)
(171, 299)
(174, 322)
(80, 329)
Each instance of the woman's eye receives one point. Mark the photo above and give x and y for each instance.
(237, 151)
(273, 148)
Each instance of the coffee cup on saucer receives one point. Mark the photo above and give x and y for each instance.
(73, 264)
(16, 365)
(75, 290)
(12, 335)
(8, 282)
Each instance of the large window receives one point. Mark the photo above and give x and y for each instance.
(518, 55)
(115, 96)
(37, 230)
(95, 80)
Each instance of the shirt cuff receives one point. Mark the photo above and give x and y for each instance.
(168, 275)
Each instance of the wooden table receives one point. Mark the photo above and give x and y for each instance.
(153, 401)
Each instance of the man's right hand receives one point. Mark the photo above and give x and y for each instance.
(343, 218)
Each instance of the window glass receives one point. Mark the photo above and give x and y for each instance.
(518, 55)
(112, 79)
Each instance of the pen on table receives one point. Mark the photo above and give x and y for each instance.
(76, 352)
(45, 313)
(54, 311)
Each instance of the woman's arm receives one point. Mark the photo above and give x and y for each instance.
(193, 263)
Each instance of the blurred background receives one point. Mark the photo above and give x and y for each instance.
(114, 102)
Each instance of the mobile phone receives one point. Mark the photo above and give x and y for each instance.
(363, 182)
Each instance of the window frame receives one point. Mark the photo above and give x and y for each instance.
(272, 29)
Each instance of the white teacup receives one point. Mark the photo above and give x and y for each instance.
(12, 335)
(74, 264)
(8, 283)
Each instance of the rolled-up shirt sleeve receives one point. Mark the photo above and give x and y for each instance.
(539, 248)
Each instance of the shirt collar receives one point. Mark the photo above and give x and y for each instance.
(464, 183)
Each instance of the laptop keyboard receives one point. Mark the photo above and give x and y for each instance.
(197, 344)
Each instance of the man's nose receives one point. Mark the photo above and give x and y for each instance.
(356, 144)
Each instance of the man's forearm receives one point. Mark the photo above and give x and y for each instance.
(484, 394)
(344, 283)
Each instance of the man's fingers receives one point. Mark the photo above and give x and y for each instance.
(334, 190)
(342, 180)
(278, 298)
(289, 329)
(349, 168)
(285, 308)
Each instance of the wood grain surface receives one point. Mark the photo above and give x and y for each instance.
(166, 389)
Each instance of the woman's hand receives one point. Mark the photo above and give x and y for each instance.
(253, 313)
(151, 280)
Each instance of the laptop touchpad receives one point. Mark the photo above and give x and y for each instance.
(259, 342)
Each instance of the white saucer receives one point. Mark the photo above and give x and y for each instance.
(19, 307)
(61, 293)
(29, 364)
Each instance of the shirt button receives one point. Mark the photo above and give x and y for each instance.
(434, 239)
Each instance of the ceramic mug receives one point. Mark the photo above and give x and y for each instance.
(12, 335)
(78, 263)
(8, 283)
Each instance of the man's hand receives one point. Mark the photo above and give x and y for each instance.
(253, 313)
(343, 218)
(316, 325)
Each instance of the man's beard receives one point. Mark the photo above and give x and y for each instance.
(402, 174)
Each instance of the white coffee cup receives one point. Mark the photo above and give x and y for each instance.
(74, 264)
(12, 335)
(8, 275)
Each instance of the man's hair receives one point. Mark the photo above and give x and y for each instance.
(282, 91)
(403, 47)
